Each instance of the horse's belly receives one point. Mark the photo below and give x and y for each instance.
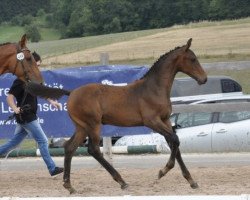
(122, 119)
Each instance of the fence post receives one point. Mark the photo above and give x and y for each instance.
(104, 58)
(107, 141)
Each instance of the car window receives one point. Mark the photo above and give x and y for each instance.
(230, 86)
(227, 117)
(193, 119)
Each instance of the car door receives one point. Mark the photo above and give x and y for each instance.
(195, 132)
(232, 132)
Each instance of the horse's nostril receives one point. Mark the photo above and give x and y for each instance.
(205, 80)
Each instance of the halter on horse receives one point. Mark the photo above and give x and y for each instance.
(16, 58)
(145, 102)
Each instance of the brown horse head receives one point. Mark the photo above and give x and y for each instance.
(17, 59)
(26, 67)
(188, 63)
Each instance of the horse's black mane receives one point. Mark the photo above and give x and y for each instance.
(5, 43)
(154, 67)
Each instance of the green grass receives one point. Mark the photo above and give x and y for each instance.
(10, 33)
(14, 33)
(49, 34)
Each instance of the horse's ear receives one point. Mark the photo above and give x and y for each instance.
(188, 44)
(23, 41)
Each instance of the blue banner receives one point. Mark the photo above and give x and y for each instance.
(56, 123)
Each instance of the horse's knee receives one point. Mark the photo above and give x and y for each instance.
(69, 147)
(92, 150)
(66, 144)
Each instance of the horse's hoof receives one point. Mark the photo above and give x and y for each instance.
(194, 186)
(124, 186)
(69, 188)
(72, 191)
(161, 174)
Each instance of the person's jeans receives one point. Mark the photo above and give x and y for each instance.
(35, 130)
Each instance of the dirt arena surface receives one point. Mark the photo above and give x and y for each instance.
(213, 180)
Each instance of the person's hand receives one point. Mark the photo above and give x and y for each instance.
(55, 104)
(17, 110)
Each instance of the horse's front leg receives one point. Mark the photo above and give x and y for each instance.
(186, 174)
(173, 144)
(165, 129)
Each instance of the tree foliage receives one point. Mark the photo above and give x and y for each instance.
(12, 8)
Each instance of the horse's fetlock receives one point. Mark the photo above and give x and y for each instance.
(160, 174)
(170, 164)
(65, 180)
(186, 176)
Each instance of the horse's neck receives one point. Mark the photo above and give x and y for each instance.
(161, 81)
(2, 61)
(5, 53)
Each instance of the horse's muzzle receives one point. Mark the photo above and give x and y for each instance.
(202, 81)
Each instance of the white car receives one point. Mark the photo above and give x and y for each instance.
(206, 132)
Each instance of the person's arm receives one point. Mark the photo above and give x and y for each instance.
(11, 102)
(54, 103)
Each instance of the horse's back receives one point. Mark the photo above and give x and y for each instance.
(111, 104)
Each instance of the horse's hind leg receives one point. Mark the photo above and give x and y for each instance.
(70, 147)
(94, 150)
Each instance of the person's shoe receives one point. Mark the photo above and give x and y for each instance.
(57, 171)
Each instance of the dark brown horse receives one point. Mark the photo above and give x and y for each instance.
(16, 58)
(145, 102)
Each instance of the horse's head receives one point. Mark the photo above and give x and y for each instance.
(188, 63)
(26, 67)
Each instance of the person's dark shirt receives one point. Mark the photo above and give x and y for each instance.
(18, 90)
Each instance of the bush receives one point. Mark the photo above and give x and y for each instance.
(32, 33)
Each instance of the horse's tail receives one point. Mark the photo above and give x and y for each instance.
(44, 91)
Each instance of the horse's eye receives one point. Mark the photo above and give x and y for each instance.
(193, 59)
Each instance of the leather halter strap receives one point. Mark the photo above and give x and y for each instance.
(19, 50)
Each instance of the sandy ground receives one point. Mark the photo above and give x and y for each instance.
(219, 180)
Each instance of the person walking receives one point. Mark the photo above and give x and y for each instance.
(27, 122)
